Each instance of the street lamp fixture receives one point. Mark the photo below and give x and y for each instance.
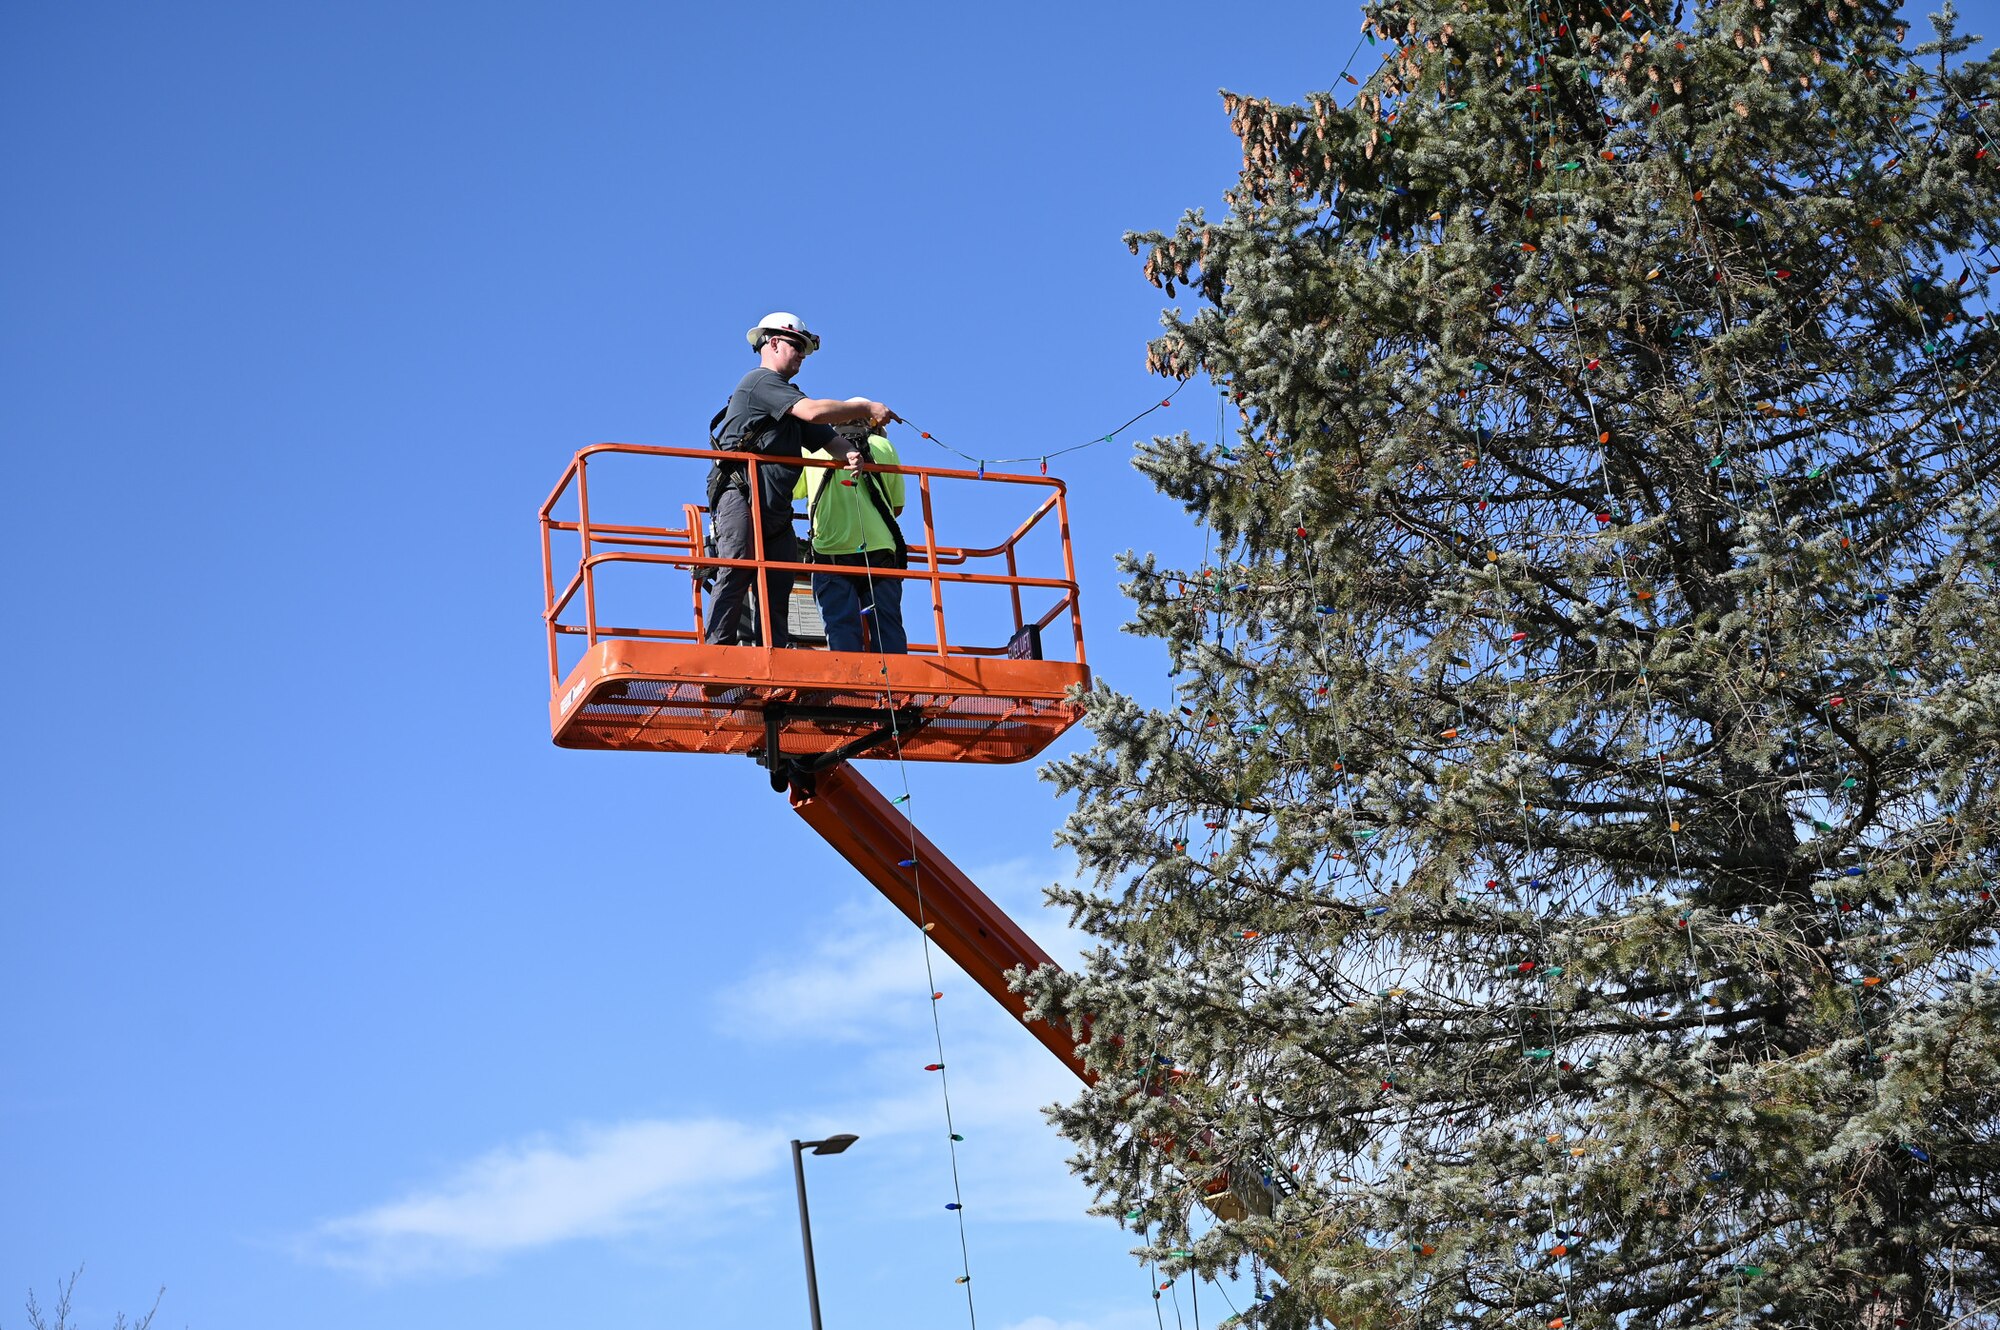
(832, 1145)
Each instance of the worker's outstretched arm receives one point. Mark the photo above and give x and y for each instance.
(828, 411)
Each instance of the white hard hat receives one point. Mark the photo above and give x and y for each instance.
(781, 322)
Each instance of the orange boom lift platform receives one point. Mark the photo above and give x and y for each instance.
(623, 677)
(993, 684)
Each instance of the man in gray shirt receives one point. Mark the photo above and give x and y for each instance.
(767, 415)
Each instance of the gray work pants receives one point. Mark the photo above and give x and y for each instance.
(733, 540)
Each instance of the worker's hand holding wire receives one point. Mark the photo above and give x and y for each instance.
(878, 414)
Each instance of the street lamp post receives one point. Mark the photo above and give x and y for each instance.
(832, 1145)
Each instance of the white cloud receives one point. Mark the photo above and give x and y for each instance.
(665, 1179)
(864, 979)
(600, 1182)
(867, 966)
(1118, 1320)
(863, 983)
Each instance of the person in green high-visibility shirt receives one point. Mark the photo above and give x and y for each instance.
(854, 511)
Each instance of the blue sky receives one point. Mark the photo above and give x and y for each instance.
(333, 994)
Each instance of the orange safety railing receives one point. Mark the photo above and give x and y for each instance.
(602, 545)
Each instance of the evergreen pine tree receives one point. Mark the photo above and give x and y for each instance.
(1562, 893)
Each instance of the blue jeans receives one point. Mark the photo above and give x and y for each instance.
(842, 597)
